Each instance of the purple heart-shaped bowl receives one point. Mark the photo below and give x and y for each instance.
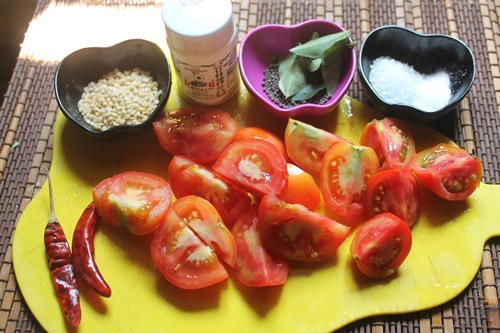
(425, 68)
(265, 42)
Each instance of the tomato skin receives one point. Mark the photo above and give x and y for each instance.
(255, 266)
(302, 188)
(181, 255)
(250, 132)
(345, 172)
(394, 191)
(136, 200)
(190, 178)
(255, 166)
(201, 133)
(391, 140)
(306, 145)
(293, 232)
(448, 171)
(381, 244)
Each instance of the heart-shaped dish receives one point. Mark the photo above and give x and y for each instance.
(427, 54)
(265, 42)
(86, 65)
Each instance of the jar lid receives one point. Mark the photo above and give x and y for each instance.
(198, 26)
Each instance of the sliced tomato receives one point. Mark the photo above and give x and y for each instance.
(306, 145)
(254, 165)
(293, 232)
(260, 133)
(190, 178)
(302, 188)
(182, 257)
(136, 200)
(381, 245)
(391, 140)
(345, 172)
(394, 191)
(255, 265)
(202, 217)
(448, 171)
(201, 133)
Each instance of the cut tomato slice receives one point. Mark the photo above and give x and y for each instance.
(136, 200)
(254, 165)
(302, 188)
(260, 133)
(293, 232)
(201, 133)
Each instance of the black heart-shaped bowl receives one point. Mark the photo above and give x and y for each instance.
(87, 65)
(426, 53)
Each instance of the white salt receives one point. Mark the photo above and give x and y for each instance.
(399, 83)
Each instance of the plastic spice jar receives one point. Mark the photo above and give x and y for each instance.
(201, 36)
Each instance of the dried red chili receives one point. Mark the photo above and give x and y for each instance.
(83, 252)
(61, 267)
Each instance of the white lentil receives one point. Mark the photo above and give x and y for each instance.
(119, 98)
(399, 83)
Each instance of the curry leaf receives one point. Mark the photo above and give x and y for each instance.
(286, 62)
(308, 91)
(310, 64)
(316, 47)
(332, 65)
(293, 79)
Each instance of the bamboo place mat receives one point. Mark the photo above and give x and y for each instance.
(58, 27)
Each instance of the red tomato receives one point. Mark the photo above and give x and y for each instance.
(254, 165)
(381, 245)
(190, 178)
(394, 191)
(260, 133)
(295, 233)
(200, 133)
(180, 249)
(306, 145)
(136, 200)
(391, 140)
(345, 172)
(302, 188)
(448, 171)
(255, 266)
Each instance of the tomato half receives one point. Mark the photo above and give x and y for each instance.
(394, 191)
(189, 242)
(260, 133)
(255, 265)
(302, 188)
(201, 133)
(136, 200)
(448, 171)
(345, 172)
(190, 178)
(306, 145)
(391, 140)
(381, 245)
(254, 165)
(295, 233)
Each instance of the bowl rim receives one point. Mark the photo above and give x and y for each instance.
(302, 108)
(119, 128)
(414, 110)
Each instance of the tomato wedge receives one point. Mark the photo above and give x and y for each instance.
(391, 140)
(306, 145)
(255, 266)
(201, 133)
(293, 232)
(394, 191)
(189, 242)
(260, 133)
(302, 188)
(345, 172)
(448, 171)
(190, 178)
(381, 245)
(136, 200)
(254, 165)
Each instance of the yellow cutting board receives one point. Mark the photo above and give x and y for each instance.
(446, 254)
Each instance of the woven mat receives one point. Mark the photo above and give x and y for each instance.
(58, 27)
